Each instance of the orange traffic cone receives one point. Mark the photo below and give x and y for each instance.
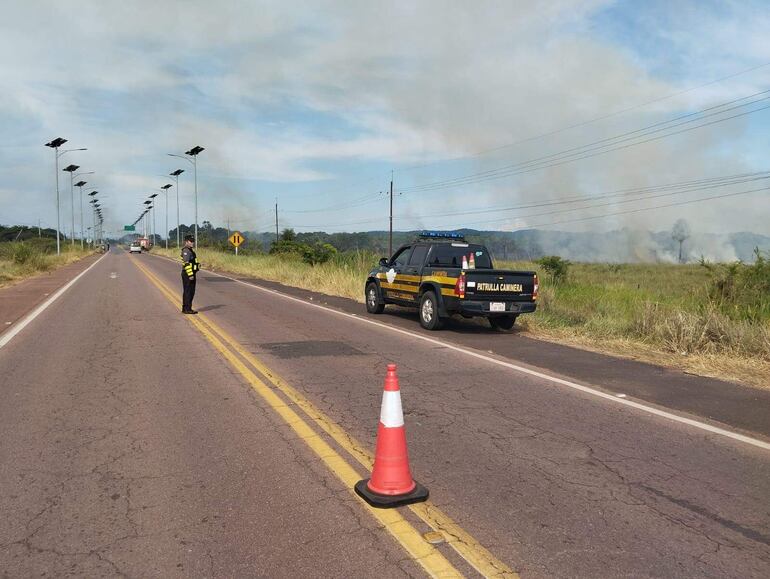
(465, 262)
(391, 483)
(472, 262)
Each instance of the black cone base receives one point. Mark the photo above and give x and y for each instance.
(419, 494)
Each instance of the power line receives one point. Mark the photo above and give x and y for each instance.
(593, 149)
(640, 194)
(358, 202)
(691, 185)
(588, 122)
(627, 212)
(623, 201)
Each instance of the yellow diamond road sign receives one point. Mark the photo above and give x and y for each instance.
(236, 238)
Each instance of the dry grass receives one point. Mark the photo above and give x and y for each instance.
(22, 261)
(653, 313)
(339, 277)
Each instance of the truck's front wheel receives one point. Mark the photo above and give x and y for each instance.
(374, 302)
(429, 318)
(502, 322)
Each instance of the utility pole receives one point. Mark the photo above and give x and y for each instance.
(38, 228)
(276, 219)
(390, 238)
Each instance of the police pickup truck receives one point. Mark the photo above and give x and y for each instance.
(441, 274)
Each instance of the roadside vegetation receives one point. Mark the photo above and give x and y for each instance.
(707, 319)
(20, 260)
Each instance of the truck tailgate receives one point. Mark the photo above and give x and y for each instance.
(498, 284)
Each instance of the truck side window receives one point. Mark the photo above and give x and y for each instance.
(418, 255)
(402, 257)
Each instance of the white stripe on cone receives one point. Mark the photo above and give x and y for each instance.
(391, 414)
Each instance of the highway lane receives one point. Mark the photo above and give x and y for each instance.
(553, 481)
(129, 447)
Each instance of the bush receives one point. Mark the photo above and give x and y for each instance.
(556, 268)
(741, 291)
(318, 253)
(285, 246)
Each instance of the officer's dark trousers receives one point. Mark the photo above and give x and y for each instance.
(188, 292)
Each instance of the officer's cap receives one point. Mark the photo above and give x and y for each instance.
(189, 238)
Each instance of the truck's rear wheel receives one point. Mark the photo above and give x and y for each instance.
(429, 318)
(503, 322)
(374, 303)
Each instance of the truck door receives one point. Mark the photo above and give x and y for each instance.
(395, 283)
(413, 269)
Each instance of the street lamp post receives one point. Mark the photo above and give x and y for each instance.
(147, 224)
(175, 175)
(165, 190)
(152, 207)
(93, 203)
(91, 194)
(71, 170)
(97, 213)
(93, 222)
(194, 152)
(55, 144)
(80, 185)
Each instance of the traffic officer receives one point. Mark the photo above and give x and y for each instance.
(190, 267)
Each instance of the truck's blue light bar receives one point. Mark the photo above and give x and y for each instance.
(442, 235)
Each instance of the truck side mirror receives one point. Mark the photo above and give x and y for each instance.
(384, 262)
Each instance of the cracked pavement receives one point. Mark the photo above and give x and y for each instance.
(554, 482)
(128, 448)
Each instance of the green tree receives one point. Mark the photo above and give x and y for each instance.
(556, 268)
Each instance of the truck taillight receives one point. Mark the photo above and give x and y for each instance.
(535, 289)
(460, 286)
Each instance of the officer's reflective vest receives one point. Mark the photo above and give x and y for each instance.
(190, 267)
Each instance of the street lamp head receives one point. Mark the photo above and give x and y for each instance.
(80, 183)
(56, 143)
(194, 151)
(167, 186)
(92, 193)
(153, 196)
(177, 173)
(71, 168)
(148, 202)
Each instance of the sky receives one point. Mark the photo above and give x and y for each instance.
(501, 115)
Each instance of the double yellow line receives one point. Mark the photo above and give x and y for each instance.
(407, 536)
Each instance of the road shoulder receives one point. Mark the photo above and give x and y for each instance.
(17, 300)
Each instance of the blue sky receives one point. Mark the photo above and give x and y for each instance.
(316, 105)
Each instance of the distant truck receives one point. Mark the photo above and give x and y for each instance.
(144, 243)
(441, 274)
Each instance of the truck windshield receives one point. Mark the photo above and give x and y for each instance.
(451, 255)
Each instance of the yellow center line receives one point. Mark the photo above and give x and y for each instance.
(434, 563)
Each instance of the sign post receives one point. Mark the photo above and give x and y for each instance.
(236, 239)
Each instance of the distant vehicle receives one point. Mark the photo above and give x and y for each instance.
(145, 243)
(441, 274)
(135, 247)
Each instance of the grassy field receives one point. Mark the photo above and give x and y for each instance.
(20, 260)
(707, 321)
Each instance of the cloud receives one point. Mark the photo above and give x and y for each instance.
(298, 103)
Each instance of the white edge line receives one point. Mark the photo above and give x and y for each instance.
(623, 401)
(10, 334)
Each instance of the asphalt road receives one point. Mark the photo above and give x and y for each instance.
(129, 445)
